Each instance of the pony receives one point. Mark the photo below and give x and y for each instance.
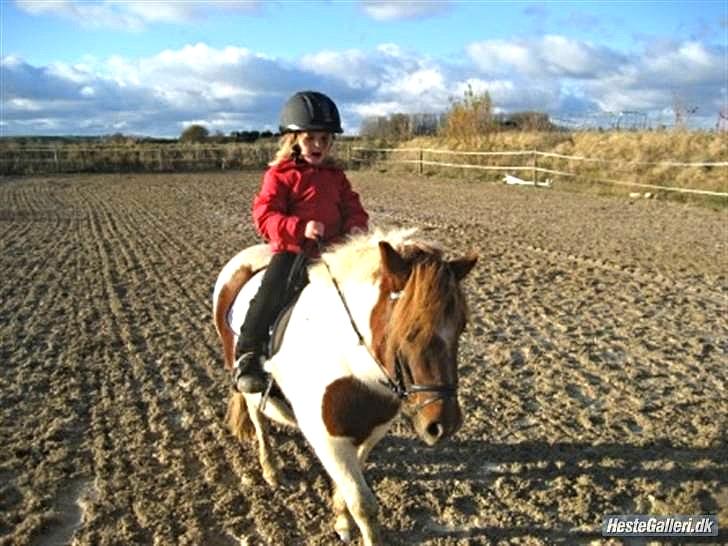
(374, 333)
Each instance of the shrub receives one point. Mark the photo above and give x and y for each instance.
(194, 133)
(469, 117)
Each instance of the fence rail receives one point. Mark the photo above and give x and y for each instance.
(69, 159)
(534, 168)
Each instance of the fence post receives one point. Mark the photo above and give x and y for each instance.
(55, 160)
(535, 168)
(420, 165)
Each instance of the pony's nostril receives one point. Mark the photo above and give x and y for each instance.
(434, 430)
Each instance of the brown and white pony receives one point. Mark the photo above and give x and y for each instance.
(374, 332)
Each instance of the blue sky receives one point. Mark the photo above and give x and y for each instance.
(151, 67)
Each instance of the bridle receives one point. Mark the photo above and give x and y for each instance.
(398, 384)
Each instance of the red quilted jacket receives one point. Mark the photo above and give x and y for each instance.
(295, 192)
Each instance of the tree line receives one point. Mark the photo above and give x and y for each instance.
(468, 117)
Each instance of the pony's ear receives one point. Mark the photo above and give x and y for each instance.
(462, 266)
(392, 263)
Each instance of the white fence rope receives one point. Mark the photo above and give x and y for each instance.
(536, 169)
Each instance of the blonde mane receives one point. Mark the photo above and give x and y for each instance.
(357, 259)
(432, 293)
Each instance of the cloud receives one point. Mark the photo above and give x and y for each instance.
(395, 10)
(575, 75)
(509, 95)
(134, 15)
(235, 88)
(689, 71)
(548, 56)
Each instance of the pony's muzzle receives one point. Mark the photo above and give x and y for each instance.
(438, 421)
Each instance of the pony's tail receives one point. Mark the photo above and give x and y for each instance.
(225, 299)
(238, 418)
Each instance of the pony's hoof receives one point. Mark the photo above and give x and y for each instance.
(272, 478)
(344, 535)
(343, 526)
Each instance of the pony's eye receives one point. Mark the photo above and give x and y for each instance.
(438, 344)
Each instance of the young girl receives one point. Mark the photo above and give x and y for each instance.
(304, 197)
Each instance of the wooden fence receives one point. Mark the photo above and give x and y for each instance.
(71, 159)
(532, 163)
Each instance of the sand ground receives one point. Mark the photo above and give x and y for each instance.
(593, 372)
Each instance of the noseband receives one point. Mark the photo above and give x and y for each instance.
(403, 391)
(397, 385)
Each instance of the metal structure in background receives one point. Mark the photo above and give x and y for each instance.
(722, 124)
(626, 120)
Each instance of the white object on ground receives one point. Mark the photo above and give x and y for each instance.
(515, 181)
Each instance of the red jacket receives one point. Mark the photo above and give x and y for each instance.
(293, 193)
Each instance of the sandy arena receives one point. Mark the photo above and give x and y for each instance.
(593, 372)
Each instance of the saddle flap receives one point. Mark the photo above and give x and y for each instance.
(277, 331)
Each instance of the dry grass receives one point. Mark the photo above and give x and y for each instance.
(623, 156)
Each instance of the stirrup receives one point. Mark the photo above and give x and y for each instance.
(248, 375)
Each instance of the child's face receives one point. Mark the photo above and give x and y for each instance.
(315, 146)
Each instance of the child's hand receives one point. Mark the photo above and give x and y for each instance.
(314, 230)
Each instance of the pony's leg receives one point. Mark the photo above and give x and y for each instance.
(366, 447)
(343, 522)
(267, 460)
(339, 457)
(362, 454)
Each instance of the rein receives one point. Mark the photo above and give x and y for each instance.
(397, 385)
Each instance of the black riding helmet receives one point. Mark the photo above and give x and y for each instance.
(310, 111)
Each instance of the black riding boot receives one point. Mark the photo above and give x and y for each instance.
(248, 375)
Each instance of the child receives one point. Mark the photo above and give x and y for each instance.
(304, 197)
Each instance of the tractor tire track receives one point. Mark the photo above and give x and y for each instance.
(184, 405)
(192, 375)
(33, 337)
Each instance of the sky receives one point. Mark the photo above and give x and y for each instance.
(152, 68)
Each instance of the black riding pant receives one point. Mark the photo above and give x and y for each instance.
(273, 295)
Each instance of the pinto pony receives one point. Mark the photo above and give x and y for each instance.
(375, 332)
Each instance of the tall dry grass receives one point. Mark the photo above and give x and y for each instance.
(633, 157)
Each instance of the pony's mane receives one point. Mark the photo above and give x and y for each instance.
(432, 292)
(358, 258)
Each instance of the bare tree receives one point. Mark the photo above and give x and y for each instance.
(682, 111)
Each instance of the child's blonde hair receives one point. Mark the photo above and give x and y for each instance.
(288, 149)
